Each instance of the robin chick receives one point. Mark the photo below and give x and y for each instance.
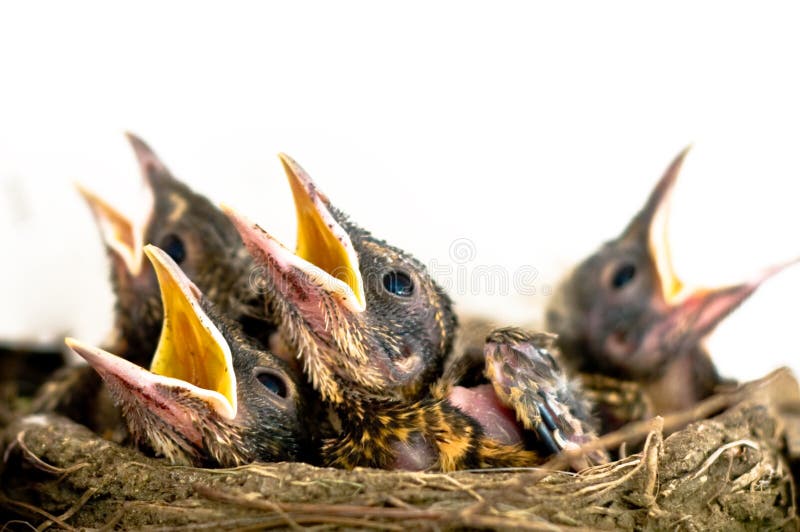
(367, 322)
(212, 396)
(373, 287)
(614, 402)
(624, 313)
(526, 376)
(190, 229)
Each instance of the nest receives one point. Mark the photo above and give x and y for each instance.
(730, 471)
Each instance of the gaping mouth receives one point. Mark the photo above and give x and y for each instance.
(320, 239)
(143, 390)
(191, 347)
(692, 312)
(122, 234)
(651, 224)
(702, 309)
(325, 253)
(192, 359)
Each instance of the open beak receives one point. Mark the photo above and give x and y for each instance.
(191, 347)
(133, 387)
(120, 234)
(692, 312)
(320, 239)
(192, 361)
(650, 226)
(298, 281)
(325, 253)
(152, 169)
(701, 310)
(320, 301)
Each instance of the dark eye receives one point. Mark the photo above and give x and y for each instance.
(173, 246)
(398, 283)
(623, 275)
(272, 382)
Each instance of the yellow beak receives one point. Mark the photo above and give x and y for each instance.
(119, 233)
(191, 347)
(320, 239)
(651, 226)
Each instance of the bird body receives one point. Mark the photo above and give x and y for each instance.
(427, 434)
(196, 235)
(372, 329)
(349, 303)
(212, 395)
(624, 313)
(188, 227)
(611, 402)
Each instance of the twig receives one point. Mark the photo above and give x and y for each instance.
(463, 488)
(716, 454)
(75, 507)
(609, 441)
(498, 522)
(606, 486)
(244, 524)
(7, 525)
(345, 510)
(116, 518)
(399, 503)
(516, 470)
(634, 431)
(41, 464)
(652, 455)
(286, 517)
(38, 511)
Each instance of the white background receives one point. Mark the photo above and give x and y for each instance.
(533, 131)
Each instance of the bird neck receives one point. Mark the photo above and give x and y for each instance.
(392, 434)
(686, 380)
(358, 407)
(137, 331)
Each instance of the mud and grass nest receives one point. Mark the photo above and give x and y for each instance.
(731, 471)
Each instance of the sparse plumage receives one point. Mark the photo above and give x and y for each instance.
(623, 312)
(372, 329)
(213, 397)
(393, 321)
(192, 230)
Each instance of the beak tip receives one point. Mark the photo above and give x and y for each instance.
(154, 253)
(153, 170)
(294, 172)
(773, 271)
(289, 164)
(88, 196)
(240, 221)
(677, 163)
(80, 188)
(136, 142)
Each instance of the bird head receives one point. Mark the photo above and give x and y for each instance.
(625, 309)
(210, 396)
(356, 310)
(186, 225)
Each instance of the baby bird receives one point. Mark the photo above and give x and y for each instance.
(212, 396)
(613, 402)
(362, 284)
(190, 229)
(367, 322)
(624, 313)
